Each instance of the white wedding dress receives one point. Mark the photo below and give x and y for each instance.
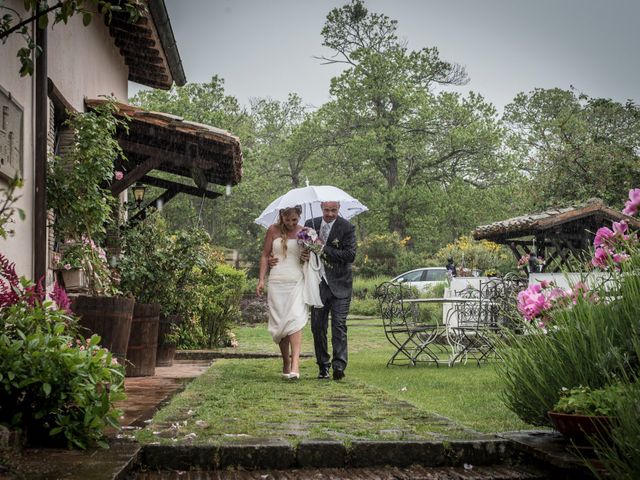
(287, 308)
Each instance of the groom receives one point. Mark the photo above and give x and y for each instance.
(338, 253)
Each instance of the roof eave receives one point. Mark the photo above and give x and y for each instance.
(158, 11)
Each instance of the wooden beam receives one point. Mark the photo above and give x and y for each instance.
(202, 143)
(179, 187)
(144, 211)
(133, 43)
(134, 175)
(175, 158)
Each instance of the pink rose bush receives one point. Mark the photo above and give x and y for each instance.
(611, 251)
(540, 299)
(611, 244)
(632, 205)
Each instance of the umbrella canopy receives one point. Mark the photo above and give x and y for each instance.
(310, 198)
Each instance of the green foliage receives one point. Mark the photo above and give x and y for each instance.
(148, 267)
(364, 306)
(12, 22)
(590, 345)
(398, 137)
(573, 147)
(365, 287)
(621, 457)
(481, 255)
(586, 401)
(378, 255)
(77, 188)
(8, 209)
(54, 385)
(210, 298)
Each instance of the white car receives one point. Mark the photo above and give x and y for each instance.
(423, 278)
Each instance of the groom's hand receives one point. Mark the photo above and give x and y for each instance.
(273, 261)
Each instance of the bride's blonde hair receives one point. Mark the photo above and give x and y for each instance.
(285, 212)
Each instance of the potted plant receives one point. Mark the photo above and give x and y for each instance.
(583, 413)
(84, 209)
(145, 269)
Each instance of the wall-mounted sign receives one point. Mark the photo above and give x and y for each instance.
(11, 151)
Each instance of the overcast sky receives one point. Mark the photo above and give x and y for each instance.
(266, 48)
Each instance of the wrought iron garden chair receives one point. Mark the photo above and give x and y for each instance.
(402, 326)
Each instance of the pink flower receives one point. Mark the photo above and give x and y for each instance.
(603, 236)
(119, 175)
(67, 266)
(532, 302)
(61, 299)
(632, 205)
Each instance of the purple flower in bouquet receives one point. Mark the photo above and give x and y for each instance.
(308, 238)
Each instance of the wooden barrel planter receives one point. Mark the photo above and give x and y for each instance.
(166, 349)
(109, 317)
(143, 340)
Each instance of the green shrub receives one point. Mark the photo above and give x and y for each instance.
(54, 386)
(364, 306)
(379, 254)
(147, 267)
(212, 295)
(621, 457)
(365, 287)
(587, 401)
(250, 286)
(480, 255)
(589, 345)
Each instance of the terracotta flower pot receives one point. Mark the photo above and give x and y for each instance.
(580, 428)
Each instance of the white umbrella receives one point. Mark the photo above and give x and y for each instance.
(309, 198)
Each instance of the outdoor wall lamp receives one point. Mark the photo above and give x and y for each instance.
(138, 192)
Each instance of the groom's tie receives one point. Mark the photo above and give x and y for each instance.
(324, 232)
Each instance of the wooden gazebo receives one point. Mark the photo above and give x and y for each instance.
(557, 234)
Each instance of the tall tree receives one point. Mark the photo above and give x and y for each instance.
(573, 147)
(388, 110)
(276, 141)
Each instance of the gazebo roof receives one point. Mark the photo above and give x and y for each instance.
(591, 213)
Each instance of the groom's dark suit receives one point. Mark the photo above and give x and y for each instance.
(338, 254)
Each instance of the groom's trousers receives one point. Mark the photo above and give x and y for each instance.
(339, 308)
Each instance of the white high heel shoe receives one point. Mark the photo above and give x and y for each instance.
(294, 376)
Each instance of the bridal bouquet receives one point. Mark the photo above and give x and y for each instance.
(308, 238)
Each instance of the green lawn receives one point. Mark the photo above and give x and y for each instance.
(239, 398)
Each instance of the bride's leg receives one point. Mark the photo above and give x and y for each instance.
(286, 355)
(295, 339)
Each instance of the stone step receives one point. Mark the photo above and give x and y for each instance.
(414, 472)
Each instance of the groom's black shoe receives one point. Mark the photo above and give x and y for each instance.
(338, 374)
(323, 374)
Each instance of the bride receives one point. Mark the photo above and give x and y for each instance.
(286, 297)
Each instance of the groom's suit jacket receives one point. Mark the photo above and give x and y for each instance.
(339, 253)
